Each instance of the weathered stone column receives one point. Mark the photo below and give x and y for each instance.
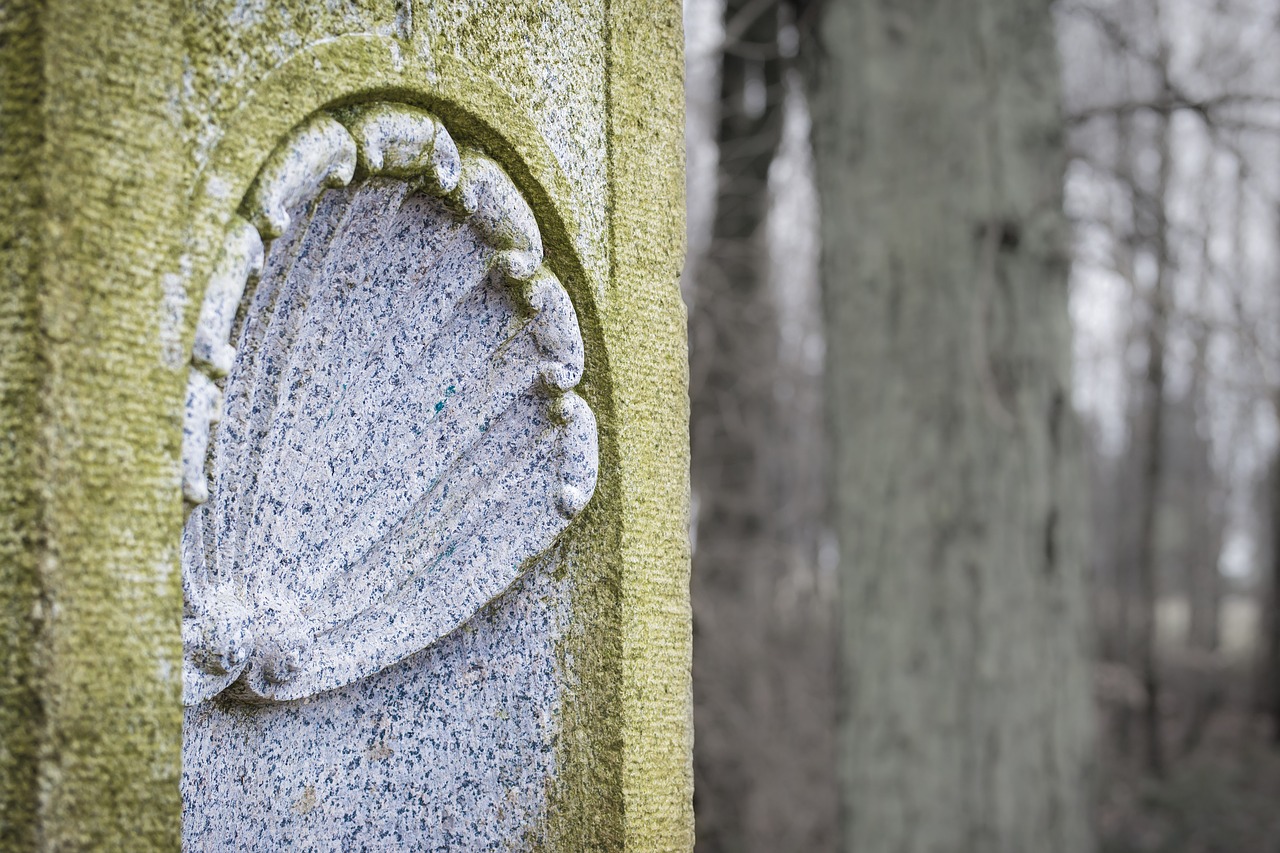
(343, 456)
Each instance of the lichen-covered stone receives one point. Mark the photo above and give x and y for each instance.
(100, 140)
(155, 118)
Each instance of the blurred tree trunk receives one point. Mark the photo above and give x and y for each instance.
(1271, 608)
(939, 148)
(1204, 579)
(1151, 447)
(1205, 631)
(734, 422)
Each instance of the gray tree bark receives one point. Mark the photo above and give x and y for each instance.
(733, 352)
(1271, 677)
(1151, 446)
(764, 656)
(938, 141)
(1204, 579)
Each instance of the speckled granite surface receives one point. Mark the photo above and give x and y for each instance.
(451, 749)
(379, 444)
(139, 127)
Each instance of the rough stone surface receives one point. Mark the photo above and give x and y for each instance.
(399, 437)
(20, 368)
(645, 336)
(94, 425)
(139, 128)
(399, 432)
(450, 749)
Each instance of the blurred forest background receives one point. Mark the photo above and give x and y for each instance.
(1067, 635)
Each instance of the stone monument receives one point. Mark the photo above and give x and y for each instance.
(344, 451)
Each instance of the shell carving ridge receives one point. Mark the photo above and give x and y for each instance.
(381, 426)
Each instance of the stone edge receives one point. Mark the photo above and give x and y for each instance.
(646, 189)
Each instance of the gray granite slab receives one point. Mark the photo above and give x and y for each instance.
(382, 442)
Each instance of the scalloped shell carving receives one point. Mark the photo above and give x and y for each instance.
(396, 428)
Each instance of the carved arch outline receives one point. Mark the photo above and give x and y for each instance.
(327, 150)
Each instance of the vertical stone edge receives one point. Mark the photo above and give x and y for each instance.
(114, 315)
(644, 324)
(21, 131)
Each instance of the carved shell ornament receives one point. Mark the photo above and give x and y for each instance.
(383, 431)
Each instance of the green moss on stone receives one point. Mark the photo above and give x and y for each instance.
(21, 533)
(109, 205)
(644, 328)
(156, 123)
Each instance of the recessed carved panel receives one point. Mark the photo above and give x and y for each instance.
(381, 426)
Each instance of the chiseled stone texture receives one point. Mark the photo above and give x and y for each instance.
(451, 749)
(549, 56)
(525, 82)
(138, 127)
(399, 437)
